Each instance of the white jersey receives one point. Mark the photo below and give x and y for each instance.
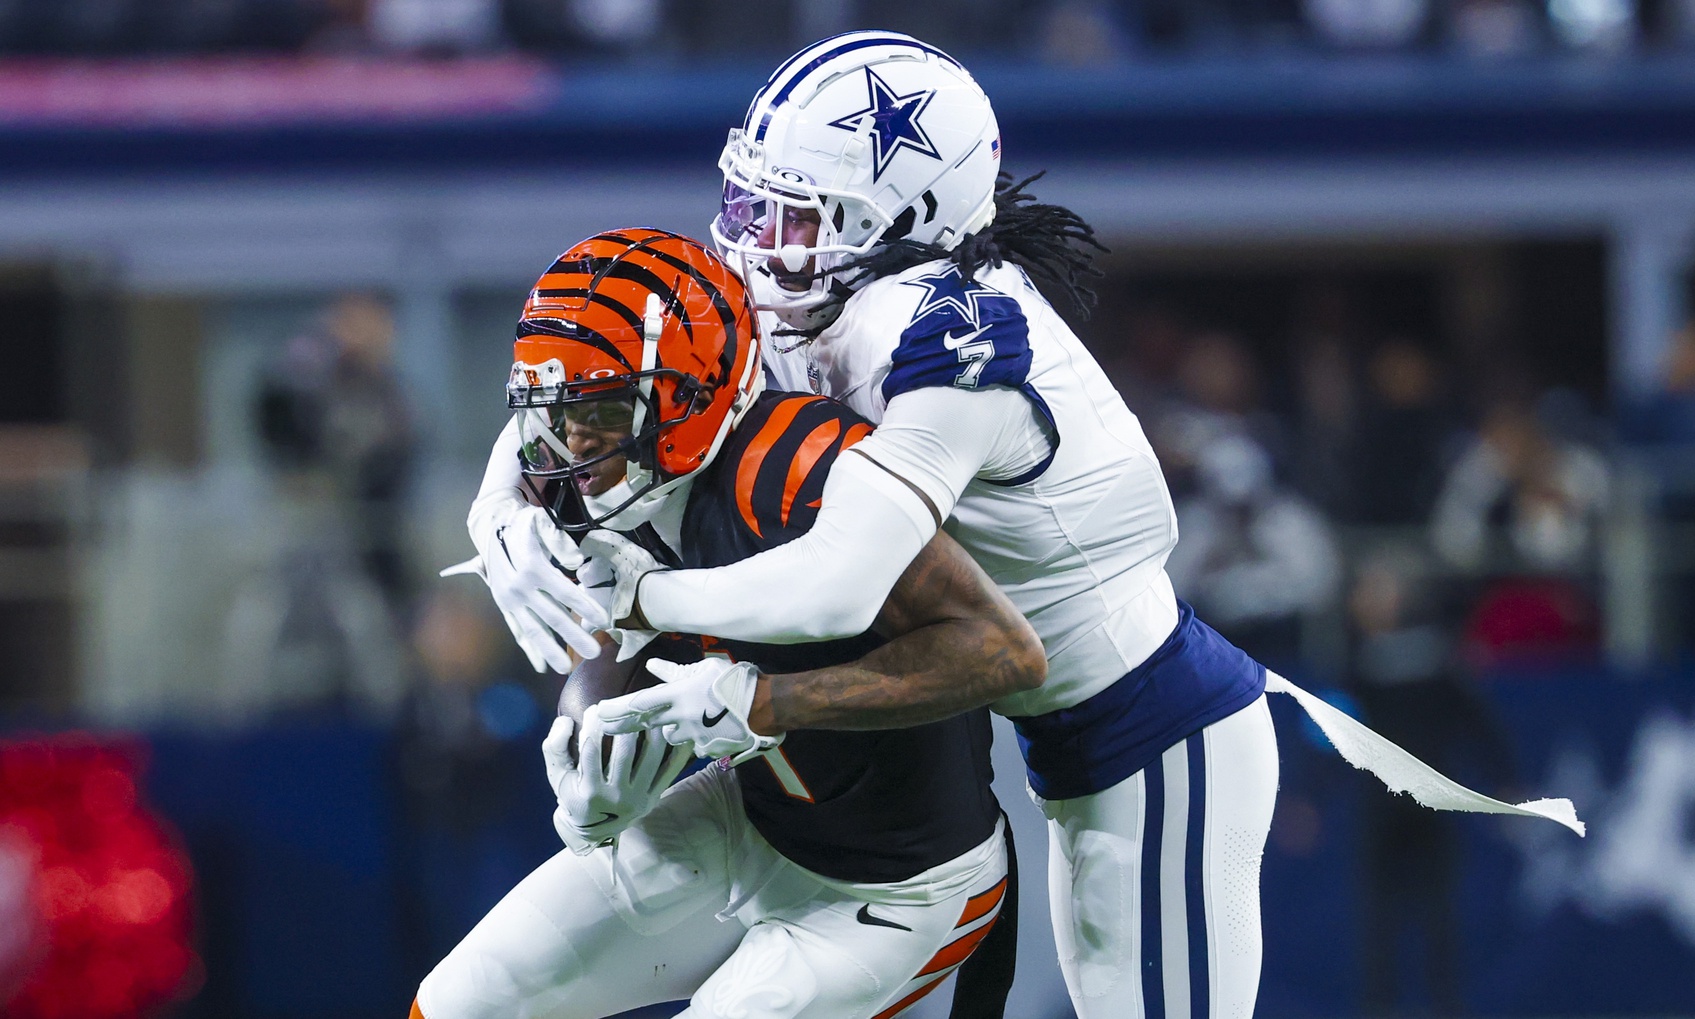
(1077, 538)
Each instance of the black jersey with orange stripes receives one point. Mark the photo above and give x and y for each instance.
(855, 806)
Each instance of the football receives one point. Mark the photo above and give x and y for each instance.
(597, 679)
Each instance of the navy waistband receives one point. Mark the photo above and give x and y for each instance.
(1194, 679)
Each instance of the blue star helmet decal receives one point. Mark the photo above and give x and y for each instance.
(894, 122)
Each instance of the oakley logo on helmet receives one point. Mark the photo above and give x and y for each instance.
(894, 122)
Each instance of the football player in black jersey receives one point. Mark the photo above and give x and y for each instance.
(833, 874)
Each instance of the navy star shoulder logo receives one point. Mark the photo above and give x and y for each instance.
(947, 289)
(894, 122)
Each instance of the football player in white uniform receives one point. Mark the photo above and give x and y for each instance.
(864, 199)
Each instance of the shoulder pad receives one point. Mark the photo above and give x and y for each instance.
(781, 468)
(960, 332)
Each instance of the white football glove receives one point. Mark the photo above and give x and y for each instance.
(704, 704)
(525, 560)
(599, 798)
(612, 567)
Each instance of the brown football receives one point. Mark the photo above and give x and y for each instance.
(597, 679)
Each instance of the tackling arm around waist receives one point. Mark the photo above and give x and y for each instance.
(884, 500)
(955, 643)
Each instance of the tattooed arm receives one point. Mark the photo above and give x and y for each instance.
(957, 643)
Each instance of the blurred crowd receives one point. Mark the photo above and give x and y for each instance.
(340, 622)
(1060, 31)
(1452, 520)
(1383, 518)
(340, 626)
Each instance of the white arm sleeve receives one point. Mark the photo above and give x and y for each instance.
(828, 583)
(832, 581)
(940, 438)
(502, 488)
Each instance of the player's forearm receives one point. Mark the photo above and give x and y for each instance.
(957, 643)
(928, 675)
(898, 484)
(500, 492)
(826, 584)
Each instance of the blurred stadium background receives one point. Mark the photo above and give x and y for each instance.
(1401, 290)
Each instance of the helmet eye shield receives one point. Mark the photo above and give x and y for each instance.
(590, 450)
(742, 215)
(771, 222)
(780, 223)
(590, 439)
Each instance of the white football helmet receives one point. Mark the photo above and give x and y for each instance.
(877, 134)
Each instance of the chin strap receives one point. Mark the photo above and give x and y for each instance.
(805, 323)
(653, 325)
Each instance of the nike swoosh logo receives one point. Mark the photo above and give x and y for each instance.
(609, 816)
(711, 720)
(607, 583)
(868, 920)
(953, 342)
(500, 536)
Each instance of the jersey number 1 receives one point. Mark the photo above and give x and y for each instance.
(787, 776)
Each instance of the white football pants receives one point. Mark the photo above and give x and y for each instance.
(1154, 883)
(693, 903)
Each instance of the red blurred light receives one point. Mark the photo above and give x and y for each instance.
(110, 982)
(38, 825)
(135, 896)
(107, 794)
(107, 894)
(63, 893)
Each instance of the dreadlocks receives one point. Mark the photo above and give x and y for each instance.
(1050, 242)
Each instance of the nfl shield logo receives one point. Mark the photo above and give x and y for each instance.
(815, 377)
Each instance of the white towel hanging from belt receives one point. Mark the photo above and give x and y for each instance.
(1404, 773)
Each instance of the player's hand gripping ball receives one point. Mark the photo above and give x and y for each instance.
(704, 704)
(606, 783)
(602, 678)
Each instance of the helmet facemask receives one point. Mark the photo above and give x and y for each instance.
(767, 220)
(589, 452)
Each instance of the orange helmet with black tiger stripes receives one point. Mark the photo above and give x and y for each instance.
(637, 352)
